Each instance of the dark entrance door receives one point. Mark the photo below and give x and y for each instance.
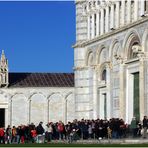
(136, 96)
(105, 106)
(2, 117)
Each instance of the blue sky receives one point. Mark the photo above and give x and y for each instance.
(37, 36)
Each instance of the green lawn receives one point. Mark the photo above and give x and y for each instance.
(73, 145)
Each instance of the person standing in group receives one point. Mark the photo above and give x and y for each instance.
(49, 132)
(14, 133)
(33, 135)
(2, 136)
(9, 134)
(145, 126)
(40, 131)
(61, 130)
(133, 127)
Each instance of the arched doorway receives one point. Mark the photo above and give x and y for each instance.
(132, 48)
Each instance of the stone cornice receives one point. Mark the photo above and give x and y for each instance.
(104, 36)
(79, 1)
(80, 68)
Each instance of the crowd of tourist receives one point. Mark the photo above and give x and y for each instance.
(85, 129)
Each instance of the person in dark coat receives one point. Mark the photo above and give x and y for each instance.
(145, 125)
(40, 130)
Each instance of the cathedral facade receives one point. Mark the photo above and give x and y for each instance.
(111, 59)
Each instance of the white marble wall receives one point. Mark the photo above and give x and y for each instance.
(20, 110)
(32, 105)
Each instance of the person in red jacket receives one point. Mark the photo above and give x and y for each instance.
(33, 135)
(2, 136)
(60, 130)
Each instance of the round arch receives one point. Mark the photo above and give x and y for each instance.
(112, 47)
(68, 94)
(99, 51)
(131, 37)
(89, 57)
(54, 93)
(36, 93)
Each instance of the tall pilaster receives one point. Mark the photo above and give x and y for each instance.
(102, 21)
(93, 26)
(141, 86)
(129, 11)
(98, 23)
(95, 94)
(112, 18)
(108, 82)
(136, 10)
(142, 8)
(122, 12)
(107, 19)
(122, 91)
(117, 14)
(88, 27)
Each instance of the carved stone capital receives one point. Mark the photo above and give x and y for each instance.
(118, 58)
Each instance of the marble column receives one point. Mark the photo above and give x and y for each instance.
(108, 92)
(107, 19)
(93, 26)
(112, 18)
(88, 27)
(48, 110)
(141, 86)
(65, 111)
(122, 12)
(129, 11)
(29, 115)
(122, 92)
(98, 23)
(6, 117)
(10, 113)
(136, 10)
(142, 10)
(117, 14)
(102, 21)
(95, 94)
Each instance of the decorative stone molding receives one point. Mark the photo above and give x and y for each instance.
(109, 64)
(81, 68)
(118, 58)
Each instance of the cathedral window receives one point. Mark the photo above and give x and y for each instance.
(104, 75)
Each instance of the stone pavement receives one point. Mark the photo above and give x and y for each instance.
(108, 141)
